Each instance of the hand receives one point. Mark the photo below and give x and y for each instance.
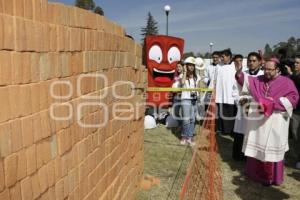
(288, 68)
(243, 101)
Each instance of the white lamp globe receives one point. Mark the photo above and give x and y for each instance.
(167, 8)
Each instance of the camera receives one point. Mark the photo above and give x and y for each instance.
(193, 95)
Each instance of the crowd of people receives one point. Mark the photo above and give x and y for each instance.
(257, 105)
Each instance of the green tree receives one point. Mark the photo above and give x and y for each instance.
(268, 51)
(151, 27)
(199, 55)
(292, 42)
(188, 54)
(290, 47)
(298, 46)
(85, 4)
(99, 10)
(207, 55)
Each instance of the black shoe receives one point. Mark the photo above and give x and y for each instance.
(266, 184)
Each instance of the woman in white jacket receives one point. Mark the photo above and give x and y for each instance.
(189, 101)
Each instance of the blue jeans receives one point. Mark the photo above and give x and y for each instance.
(176, 110)
(188, 118)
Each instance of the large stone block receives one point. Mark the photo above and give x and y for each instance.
(35, 97)
(11, 169)
(4, 195)
(28, 8)
(37, 135)
(8, 32)
(45, 68)
(5, 113)
(27, 131)
(51, 192)
(26, 189)
(65, 64)
(17, 69)
(39, 154)
(8, 7)
(53, 38)
(25, 100)
(35, 69)
(22, 165)
(36, 191)
(61, 38)
(5, 68)
(59, 190)
(31, 159)
(2, 176)
(43, 178)
(44, 10)
(18, 8)
(20, 36)
(51, 173)
(26, 76)
(45, 124)
(15, 192)
(37, 10)
(46, 37)
(38, 36)
(1, 30)
(44, 92)
(16, 134)
(51, 13)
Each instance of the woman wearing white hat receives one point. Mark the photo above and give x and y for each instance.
(189, 101)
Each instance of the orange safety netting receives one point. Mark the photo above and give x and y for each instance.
(203, 179)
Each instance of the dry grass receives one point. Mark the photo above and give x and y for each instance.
(237, 186)
(166, 160)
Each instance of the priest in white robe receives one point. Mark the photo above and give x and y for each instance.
(225, 99)
(253, 69)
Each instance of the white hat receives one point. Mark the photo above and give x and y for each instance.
(199, 63)
(149, 122)
(171, 122)
(190, 60)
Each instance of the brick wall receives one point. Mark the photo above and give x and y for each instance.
(71, 127)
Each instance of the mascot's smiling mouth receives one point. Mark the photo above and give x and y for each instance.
(163, 76)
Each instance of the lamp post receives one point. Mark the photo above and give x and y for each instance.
(210, 49)
(167, 9)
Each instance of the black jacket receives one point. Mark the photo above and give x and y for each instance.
(296, 80)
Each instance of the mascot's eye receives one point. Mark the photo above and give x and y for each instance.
(174, 55)
(155, 53)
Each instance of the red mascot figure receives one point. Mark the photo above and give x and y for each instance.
(161, 56)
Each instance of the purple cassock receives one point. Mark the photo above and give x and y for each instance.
(268, 171)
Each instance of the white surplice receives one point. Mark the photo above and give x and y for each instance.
(240, 121)
(226, 84)
(266, 138)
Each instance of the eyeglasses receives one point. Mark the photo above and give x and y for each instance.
(271, 70)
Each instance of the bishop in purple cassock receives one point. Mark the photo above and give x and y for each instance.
(266, 137)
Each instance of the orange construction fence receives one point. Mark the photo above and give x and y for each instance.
(203, 179)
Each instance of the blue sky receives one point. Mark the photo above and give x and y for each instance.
(242, 25)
